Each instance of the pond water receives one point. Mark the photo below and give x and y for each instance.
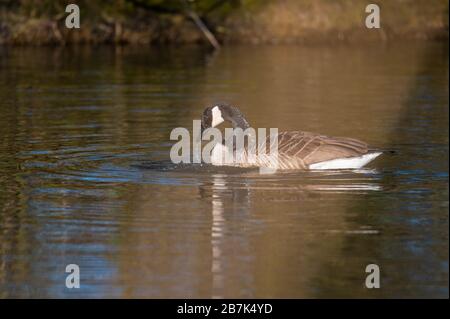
(84, 177)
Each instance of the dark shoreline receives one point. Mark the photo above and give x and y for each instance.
(270, 22)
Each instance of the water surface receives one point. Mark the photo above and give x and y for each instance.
(82, 128)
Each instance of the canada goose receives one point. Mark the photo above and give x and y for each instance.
(296, 149)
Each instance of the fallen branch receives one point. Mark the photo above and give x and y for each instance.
(199, 23)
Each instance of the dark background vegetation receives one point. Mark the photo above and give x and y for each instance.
(244, 21)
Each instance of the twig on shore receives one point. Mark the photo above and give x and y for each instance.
(199, 23)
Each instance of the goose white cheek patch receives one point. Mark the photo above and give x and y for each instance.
(217, 118)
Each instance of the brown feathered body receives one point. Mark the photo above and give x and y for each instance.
(302, 150)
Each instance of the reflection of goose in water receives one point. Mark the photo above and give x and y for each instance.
(228, 203)
(296, 149)
(246, 212)
(217, 228)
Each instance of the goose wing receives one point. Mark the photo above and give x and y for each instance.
(307, 148)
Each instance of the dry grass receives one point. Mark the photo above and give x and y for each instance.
(335, 20)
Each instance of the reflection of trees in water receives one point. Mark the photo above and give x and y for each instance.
(410, 254)
(16, 237)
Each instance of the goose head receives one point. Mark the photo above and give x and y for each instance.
(215, 115)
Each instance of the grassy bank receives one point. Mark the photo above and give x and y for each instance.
(39, 22)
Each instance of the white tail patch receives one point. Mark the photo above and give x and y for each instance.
(346, 163)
